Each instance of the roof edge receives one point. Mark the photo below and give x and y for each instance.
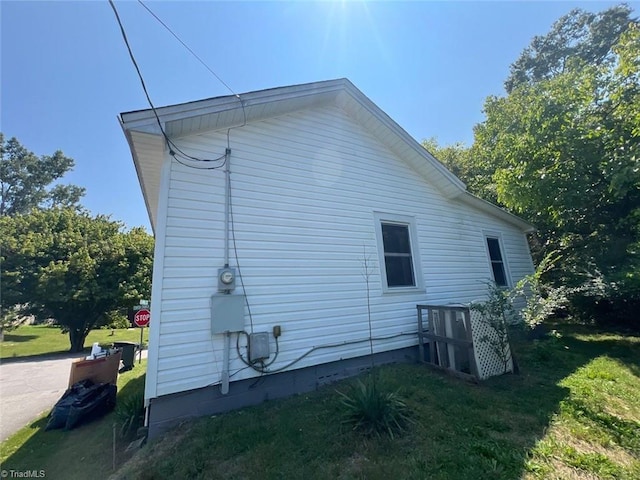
(496, 211)
(144, 121)
(225, 102)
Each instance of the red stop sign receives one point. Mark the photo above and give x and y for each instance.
(142, 318)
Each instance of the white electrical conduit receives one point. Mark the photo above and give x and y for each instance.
(224, 386)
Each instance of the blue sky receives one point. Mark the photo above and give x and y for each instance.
(66, 74)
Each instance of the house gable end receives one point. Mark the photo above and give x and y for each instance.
(225, 113)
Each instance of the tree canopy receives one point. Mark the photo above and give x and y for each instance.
(566, 155)
(460, 160)
(581, 36)
(562, 149)
(25, 179)
(64, 264)
(56, 260)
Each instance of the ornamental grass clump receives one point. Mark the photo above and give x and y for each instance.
(370, 409)
(130, 414)
(373, 411)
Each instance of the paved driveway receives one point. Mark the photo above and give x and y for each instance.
(29, 388)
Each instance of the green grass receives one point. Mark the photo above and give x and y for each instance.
(34, 340)
(572, 413)
(82, 453)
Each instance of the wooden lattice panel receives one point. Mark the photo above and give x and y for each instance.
(487, 359)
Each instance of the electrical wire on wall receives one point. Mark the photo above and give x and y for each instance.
(266, 371)
(175, 152)
(218, 162)
(235, 254)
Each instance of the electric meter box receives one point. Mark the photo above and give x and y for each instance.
(226, 279)
(227, 313)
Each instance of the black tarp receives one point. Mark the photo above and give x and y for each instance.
(83, 402)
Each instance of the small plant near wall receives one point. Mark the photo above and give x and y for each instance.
(369, 408)
(372, 411)
(495, 313)
(130, 415)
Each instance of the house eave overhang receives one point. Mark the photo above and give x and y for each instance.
(142, 129)
(147, 150)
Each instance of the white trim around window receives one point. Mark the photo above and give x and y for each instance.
(408, 274)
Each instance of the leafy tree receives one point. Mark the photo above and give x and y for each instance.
(583, 36)
(564, 146)
(25, 178)
(464, 163)
(64, 264)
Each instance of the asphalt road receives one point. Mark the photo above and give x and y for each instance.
(29, 388)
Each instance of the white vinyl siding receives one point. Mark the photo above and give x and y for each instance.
(305, 187)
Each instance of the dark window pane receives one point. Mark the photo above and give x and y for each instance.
(396, 238)
(498, 274)
(494, 249)
(399, 271)
(497, 265)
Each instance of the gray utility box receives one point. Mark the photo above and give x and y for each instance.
(258, 346)
(227, 313)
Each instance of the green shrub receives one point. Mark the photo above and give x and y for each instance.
(609, 302)
(374, 412)
(544, 300)
(497, 312)
(130, 414)
(546, 350)
(116, 320)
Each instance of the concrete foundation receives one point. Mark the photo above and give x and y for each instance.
(169, 410)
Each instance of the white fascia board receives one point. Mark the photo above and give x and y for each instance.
(143, 118)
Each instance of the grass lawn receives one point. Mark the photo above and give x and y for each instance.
(31, 340)
(83, 453)
(572, 413)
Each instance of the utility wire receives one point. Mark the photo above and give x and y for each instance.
(204, 64)
(235, 251)
(187, 47)
(172, 147)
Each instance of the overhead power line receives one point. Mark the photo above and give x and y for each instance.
(188, 48)
(173, 148)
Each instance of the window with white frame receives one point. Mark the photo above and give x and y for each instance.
(397, 247)
(497, 261)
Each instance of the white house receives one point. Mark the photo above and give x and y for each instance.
(327, 198)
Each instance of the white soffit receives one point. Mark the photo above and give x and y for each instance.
(148, 156)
